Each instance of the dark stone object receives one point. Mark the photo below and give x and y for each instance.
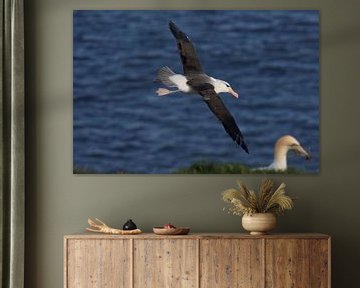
(129, 225)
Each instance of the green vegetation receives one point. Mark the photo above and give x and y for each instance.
(204, 167)
(78, 170)
(83, 171)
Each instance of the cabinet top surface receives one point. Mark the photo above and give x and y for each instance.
(87, 235)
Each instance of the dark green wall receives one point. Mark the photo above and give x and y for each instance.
(59, 202)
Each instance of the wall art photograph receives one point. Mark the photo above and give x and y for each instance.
(207, 92)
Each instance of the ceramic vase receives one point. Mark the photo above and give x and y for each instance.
(259, 223)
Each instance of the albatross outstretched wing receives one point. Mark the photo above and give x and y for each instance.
(217, 106)
(189, 59)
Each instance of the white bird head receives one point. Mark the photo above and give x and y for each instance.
(221, 86)
(288, 143)
(283, 145)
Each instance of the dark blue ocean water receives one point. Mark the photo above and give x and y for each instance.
(270, 57)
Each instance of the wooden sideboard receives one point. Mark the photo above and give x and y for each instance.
(197, 260)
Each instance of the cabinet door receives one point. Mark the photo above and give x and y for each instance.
(165, 263)
(98, 263)
(287, 263)
(231, 263)
(320, 263)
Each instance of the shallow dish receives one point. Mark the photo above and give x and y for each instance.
(171, 231)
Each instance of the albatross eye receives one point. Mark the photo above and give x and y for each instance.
(227, 85)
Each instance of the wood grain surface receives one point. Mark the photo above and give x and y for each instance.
(229, 263)
(98, 263)
(287, 263)
(89, 235)
(320, 263)
(165, 263)
(197, 260)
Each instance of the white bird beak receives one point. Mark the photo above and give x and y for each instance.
(233, 93)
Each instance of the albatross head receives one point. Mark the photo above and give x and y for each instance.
(223, 86)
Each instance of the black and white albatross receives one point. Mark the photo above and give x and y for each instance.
(195, 80)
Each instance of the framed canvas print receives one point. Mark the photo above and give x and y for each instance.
(158, 92)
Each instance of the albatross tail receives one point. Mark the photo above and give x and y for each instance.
(164, 75)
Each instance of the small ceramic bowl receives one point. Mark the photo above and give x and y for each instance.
(171, 231)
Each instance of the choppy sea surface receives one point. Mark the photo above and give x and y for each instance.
(119, 124)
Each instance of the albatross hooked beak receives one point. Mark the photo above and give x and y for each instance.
(233, 93)
(301, 151)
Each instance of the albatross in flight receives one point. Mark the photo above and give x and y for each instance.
(195, 80)
(282, 146)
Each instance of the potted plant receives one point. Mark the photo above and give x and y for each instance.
(258, 210)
